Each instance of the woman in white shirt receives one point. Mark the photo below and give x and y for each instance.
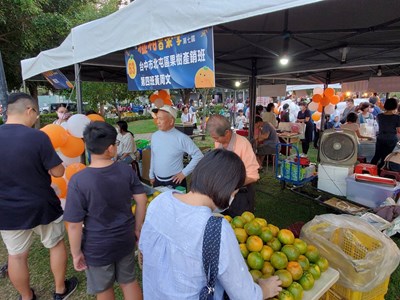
(188, 118)
(126, 146)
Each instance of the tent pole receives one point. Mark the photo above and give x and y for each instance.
(3, 90)
(252, 95)
(78, 82)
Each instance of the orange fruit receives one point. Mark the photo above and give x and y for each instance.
(285, 295)
(254, 243)
(297, 290)
(253, 228)
(295, 269)
(285, 236)
(255, 274)
(262, 222)
(312, 253)
(248, 216)
(266, 234)
(285, 277)
(267, 268)
(322, 263)
(274, 229)
(265, 276)
(291, 252)
(315, 271)
(279, 260)
(266, 252)
(307, 281)
(275, 244)
(241, 235)
(238, 222)
(255, 261)
(301, 245)
(228, 218)
(243, 250)
(304, 263)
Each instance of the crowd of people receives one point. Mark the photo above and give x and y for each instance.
(102, 230)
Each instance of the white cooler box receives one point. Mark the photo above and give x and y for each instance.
(332, 179)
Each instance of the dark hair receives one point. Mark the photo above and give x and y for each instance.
(259, 108)
(352, 117)
(270, 106)
(373, 99)
(61, 105)
(302, 103)
(285, 106)
(349, 100)
(363, 105)
(258, 119)
(99, 136)
(240, 110)
(14, 97)
(390, 104)
(91, 112)
(183, 108)
(123, 126)
(218, 174)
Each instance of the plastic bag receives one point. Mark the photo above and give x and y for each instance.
(363, 255)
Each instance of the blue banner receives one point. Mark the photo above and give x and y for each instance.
(182, 61)
(58, 80)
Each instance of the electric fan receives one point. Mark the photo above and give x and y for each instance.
(338, 147)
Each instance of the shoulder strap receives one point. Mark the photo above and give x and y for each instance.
(211, 246)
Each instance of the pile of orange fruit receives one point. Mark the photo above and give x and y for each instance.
(270, 251)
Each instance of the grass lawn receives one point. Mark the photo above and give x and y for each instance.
(279, 207)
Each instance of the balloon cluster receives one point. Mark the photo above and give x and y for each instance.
(161, 98)
(67, 141)
(325, 100)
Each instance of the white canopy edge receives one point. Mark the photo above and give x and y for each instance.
(144, 21)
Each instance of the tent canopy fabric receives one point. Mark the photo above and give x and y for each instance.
(327, 41)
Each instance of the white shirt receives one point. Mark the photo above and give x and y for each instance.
(126, 145)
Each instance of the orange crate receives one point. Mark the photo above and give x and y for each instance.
(357, 245)
(331, 295)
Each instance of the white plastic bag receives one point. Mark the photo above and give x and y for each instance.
(363, 255)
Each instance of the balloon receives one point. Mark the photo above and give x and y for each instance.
(316, 116)
(335, 99)
(73, 169)
(73, 147)
(317, 98)
(163, 94)
(276, 110)
(325, 101)
(329, 92)
(95, 117)
(68, 160)
(329, 109)
(57, 134)
(76, 125)
(60, 186)
(313, 106)
(318, 90)
(320, 108)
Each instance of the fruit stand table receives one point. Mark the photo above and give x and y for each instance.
(322, 285)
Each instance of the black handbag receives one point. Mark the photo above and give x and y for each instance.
(211, 246)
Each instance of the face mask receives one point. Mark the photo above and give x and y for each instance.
(220, 210)
(371, 110)
(62, 116)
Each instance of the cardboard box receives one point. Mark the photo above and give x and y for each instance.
(146, 157)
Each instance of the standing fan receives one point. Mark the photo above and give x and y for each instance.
(338, 147)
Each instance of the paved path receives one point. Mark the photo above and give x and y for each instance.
(143, 136)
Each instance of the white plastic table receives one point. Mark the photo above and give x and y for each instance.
(322, 285)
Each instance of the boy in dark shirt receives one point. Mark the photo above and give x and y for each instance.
(99, 197)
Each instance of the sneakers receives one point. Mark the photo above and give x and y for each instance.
(33, 295)
(70, 286)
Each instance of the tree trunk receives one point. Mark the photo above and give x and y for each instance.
(185, 94)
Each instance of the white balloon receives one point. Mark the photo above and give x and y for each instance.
(293, 109)
(329, 109)
(313, 106)
(62, 200)
(68, 160)
(64, 125)
(318, 90)
(76, 125)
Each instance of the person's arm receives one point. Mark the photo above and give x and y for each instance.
(57, 171)
(75, 240)
(141, 201)
(191, 149)
(151, 169)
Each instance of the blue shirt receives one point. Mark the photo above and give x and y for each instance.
(171, 242)
(167, 150)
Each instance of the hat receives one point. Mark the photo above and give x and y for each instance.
(169, 109)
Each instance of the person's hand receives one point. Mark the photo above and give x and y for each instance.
(152, 182)
(79, 262)
(270, 286)
(178, 178)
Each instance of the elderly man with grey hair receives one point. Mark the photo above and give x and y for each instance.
(220, 130)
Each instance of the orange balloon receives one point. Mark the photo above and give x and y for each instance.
(73, 147)
(329, 92)
(57, 134)
(73, 169)
(276, 111)
(317, 98)
(60, 186)
(335, 99)
(163, 94)
(325, 101)
(320, 107)
(316, 116)
(95, 117)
